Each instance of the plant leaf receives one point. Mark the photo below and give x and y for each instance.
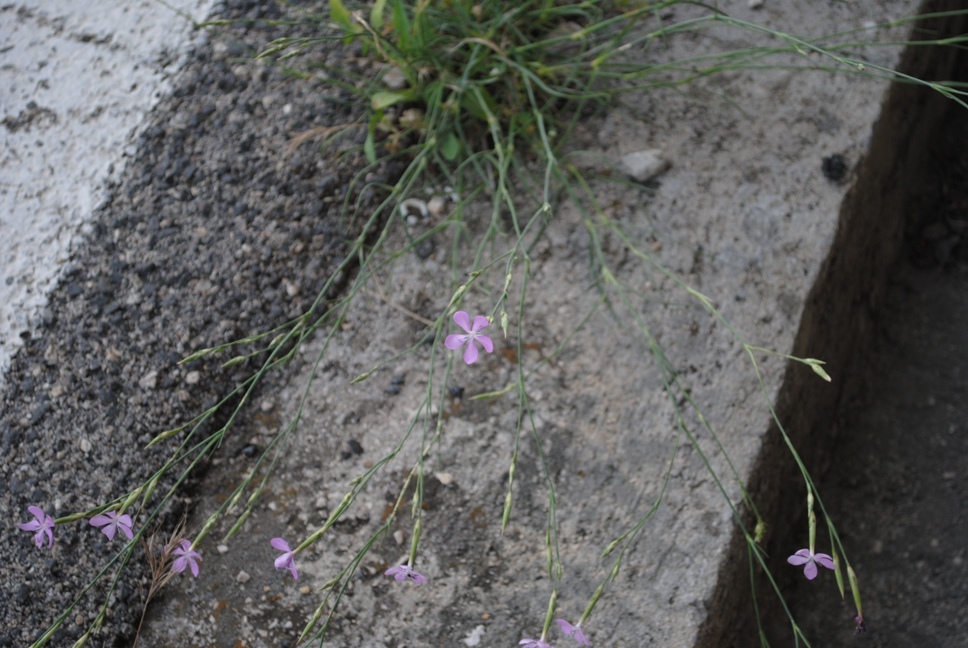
(401, 27)
(339, 13)
(450, 147)
(386, 98)
(369, 146)
(376, 14)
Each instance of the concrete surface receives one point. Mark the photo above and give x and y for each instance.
(177, 261)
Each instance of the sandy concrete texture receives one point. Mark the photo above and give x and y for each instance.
(77, 79)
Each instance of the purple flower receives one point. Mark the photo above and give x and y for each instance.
(187, 557)
(287, 559)
(574, 631)
(42, 523)
(810, 561)
(111, 522)
(456, 341)
(534, 643)
(401, 573)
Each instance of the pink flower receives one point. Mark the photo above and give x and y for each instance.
(287, 559)
(111, 522)
(534, 643)
(472, 338)
(187, 557)
(810, 561)
(42, 524)
(574, 631)
(401, 573)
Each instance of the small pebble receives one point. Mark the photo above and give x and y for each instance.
(436, 206)
(251, 451)
(834, 167)
(445, 478)
(642, 166)
(243, 577)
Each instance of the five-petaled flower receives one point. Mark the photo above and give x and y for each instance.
(111, 522)
(472, 337)
(401, 573)
(42, 524)
(288, 557)
(186, 557)
(534, 643)
(574, 631)
(810, 560)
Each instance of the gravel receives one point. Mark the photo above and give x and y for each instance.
(254, 226)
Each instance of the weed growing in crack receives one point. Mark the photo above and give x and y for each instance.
(481, 99)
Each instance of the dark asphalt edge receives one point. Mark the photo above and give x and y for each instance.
(213, 233)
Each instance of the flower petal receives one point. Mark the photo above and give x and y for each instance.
(37, 512)
(799, 557)
(824, 560)
(470, 354)
(419, 579)
(810, 570)
(480, 322)
(463, 320)
(280, 544)
(486, 343)
(124, 523)
(100, 520)
(180, 563)
(455, 341)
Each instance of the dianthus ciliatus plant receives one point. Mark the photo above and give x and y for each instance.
(478, 97)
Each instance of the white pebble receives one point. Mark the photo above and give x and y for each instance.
(644, 165)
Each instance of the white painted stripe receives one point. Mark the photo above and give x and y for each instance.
(77, 79)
